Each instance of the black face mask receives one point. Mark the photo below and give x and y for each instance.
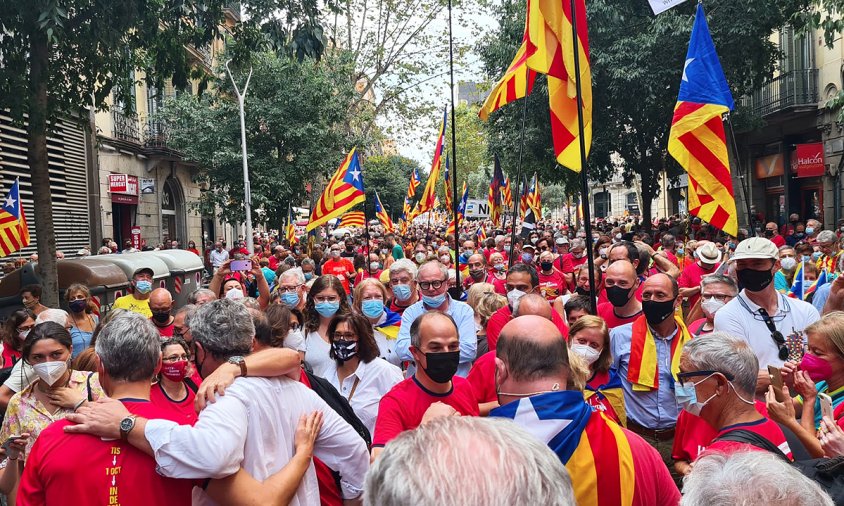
(657, 312)
(618, 296)
(753, 280)
(546, 266)
(161, 316)
(344, 350)
(442, 366)
(769, 233)
(581, 290)
(477, 275)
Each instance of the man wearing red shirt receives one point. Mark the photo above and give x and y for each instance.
(477, 270)
(161, 305)
(552, 282)
(521, 280)
(435, 347)
(773, 234)
(340, 267)
(708, 260)
(620, 285)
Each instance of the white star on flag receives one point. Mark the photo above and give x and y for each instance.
(10, 202)
(688, 62)
(544, 430)
(355, 175)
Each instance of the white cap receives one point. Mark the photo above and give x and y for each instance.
(755, 247)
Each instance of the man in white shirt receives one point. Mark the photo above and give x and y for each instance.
(218, 255)
(771, 323)
(252, 426)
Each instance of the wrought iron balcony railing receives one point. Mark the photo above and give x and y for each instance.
(791, 89)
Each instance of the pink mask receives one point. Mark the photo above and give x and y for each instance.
(818, 369)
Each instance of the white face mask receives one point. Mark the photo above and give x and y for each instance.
(712, 305)
(234, 293)
(788, 263)
(586, 352)
(513, 296)
(295, 340)
(50, 372)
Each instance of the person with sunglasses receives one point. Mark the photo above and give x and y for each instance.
(772, 324)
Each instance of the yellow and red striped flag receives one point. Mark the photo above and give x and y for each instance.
(290, 233)
(507, 193)
(523, 199)
(429, 196)
(516, 83)
(495, 187)
(447, 182)
(343, 191)
(415, 180)
(382, 215)
(697, 139)
(352, 219)
(14, 232)
(534, 200)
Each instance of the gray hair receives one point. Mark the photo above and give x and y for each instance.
(194, 295)
(577, 243)
(223, 327)
(308, 261)
(748, 477)
(714, 279)
(251, 303)
(129, 347)
(434, 263)
(416, 336)
(188, 310)
(518, 468)
(827, 236)
(52, 315)
(294, 273)
(724, 352)
(403, 265)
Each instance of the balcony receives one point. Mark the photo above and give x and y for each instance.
(125, 126)
(155, 135)
(789, 92)
(233, 8)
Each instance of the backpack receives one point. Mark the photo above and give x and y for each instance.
(826, 472)
(338, 403)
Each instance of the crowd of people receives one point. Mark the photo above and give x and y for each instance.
(423, 368)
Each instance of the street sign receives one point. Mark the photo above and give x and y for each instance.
(136, 238)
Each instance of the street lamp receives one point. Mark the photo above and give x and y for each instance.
(247, 192)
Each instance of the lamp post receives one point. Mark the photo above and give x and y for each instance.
(247, 192)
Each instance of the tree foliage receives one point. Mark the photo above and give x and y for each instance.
(472, 153)
(296, 115)
(389, 174)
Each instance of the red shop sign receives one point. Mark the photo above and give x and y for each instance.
(807, 160)
(123, 184)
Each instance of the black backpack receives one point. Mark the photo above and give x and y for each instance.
(338, 403)
(828, 473)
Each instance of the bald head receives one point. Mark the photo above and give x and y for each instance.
(160, 300)
(621, 268)
(531, 348)
(533, 304)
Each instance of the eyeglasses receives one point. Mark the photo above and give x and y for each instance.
(717, 296)
(288, 289)
(776, 335)
(344, 336)
(686, 375)
(428, 285)
(176, 358)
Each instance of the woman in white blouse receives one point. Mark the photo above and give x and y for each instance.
(325, 299)
(370, 300)
(358, 373)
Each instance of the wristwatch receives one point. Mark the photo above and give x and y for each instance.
(126, 426)
(239, 361)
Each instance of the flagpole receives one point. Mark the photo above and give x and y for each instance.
(459, 285)
(584, 183)
(741, 173)
(366, 236)
(519, 182)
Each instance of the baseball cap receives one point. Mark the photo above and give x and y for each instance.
(529, 246)
(561, 240)
(143, 270)
(709, 253)
(755, 247)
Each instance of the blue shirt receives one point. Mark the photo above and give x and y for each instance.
(821, 294)
(656, 409)
(463, 316)
(269, 275)
(80, 338)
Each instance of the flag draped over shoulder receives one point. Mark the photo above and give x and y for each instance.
(429, 197)
(343, 191)
(495, 193)
(352, 219)
(290, 233)
(382, 215)
(14, 232)
(391, 325)
(549, 48)
(697, 139)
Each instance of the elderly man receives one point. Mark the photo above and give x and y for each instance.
(276, 258)
(830, 251)
(771, 323)
(478, 272)
(403, 285)
(138, 298)
(773, 235)
(435, 347)
(708, 260)
(521, 280)
(201, 296)
(432, 279)
(609, 464)
(161, 305)
(621, 286)
(292, 290)
(252, 425)
(716, 291)
(525, 471)
(646, 354)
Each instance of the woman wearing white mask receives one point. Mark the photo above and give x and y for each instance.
(58, 390)
(716, 291)
(784, 277)
(287, 327)
(15, 330)
(589, 340)
(369, 301)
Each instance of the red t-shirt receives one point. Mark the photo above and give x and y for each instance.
(658, 489)
(81, 469)
(693, 434)
(482, 378)
(696, 327)
(499, 284)
(671, 257)
(552, 285)
(181, 411)
(607, 311)
(764, 427)
(502, 316)
(340, 268)
(364, 274)
(9, 356)
(166, 331)
(690, 278)
(404, 406)
(570, 260)
(778, 240)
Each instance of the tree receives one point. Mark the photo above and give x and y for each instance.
(295, 121)
(61, 57)
(637, 62)
(472, 155)
(389, 175)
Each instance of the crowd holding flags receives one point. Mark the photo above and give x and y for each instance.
(341, 194)
(533, 198)
(802, 288)
(507, 193)
(14, 232)
(290, 233)
(382, 215)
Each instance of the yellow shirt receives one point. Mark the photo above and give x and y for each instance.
(132, 304)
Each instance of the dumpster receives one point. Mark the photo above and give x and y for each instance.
(130, 262)
(186, 271)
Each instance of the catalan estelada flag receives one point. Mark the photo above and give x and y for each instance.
(594, 450)
(428, 200)
(382, 215)
(391, 324)
(14, 232)
(516, 83)
(534, 200)
(495, 193)
(352, 219)
(290, 233)
(461, 211)
(447, 181)
(343, 191)
(523, 199)
(642, 370)
(697, 140)
(481, 234)
(507, 193)
(801, 288)
(415, 180)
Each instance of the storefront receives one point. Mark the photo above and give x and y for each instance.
(123, 189)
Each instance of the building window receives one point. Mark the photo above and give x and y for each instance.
(603, 206)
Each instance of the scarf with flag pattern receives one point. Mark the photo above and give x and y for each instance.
(642, 371)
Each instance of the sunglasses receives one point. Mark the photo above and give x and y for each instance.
(776, 335)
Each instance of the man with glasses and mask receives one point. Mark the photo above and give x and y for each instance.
(435, 385)
(646, 354)
(291, 289)
(771, 323)
(432, 280)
